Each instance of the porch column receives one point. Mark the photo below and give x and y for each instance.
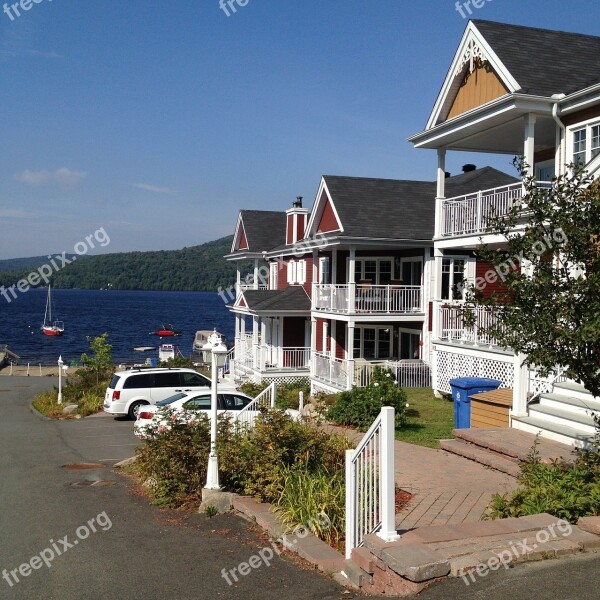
(255, 344)
(351, 280)
(529, 142)
(255, 281)
(441, 191)
(520, 387)
(334, 257)
(436, 291)
(238, 280)
(350, 341)
(333, 338)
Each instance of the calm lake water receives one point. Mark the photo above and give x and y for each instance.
(128, 317)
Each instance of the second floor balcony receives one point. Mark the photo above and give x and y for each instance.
(367, 299)
(472, 214)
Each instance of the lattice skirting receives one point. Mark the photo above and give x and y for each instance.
(450, 365)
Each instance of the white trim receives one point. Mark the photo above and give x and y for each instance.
(587, 125)
(417, 332)
(318, 208)
(237, 237)
(377, 259)
(361, 329)
(472, 38)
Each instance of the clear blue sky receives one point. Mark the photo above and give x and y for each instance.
(160, 120)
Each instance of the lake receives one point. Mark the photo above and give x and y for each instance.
(128, 317)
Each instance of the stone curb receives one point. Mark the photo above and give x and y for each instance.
(305, 544)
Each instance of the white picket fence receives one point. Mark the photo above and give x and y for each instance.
(266, 399)
(370, 485)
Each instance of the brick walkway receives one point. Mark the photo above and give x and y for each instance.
(446, 488)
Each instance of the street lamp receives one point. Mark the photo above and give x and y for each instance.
(60, 368)
(215, 351)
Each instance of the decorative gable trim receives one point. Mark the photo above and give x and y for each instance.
(240, 302)
(240, 241)
(323, 205)
(473, 47)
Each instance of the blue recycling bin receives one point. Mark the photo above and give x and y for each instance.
(462, 390)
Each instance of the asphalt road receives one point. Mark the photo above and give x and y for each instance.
(136, 550)
(118, 546)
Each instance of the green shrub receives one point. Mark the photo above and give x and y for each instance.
(287, 394)
(361, 406)
(567, 491)
(173, 460)
(314, 499)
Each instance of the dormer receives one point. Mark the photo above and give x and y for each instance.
(296, 219)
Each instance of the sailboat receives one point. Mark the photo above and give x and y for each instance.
(51, 328)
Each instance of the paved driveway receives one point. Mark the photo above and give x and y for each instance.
(62, 538)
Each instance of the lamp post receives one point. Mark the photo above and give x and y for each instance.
(60, 369)
(215, 351)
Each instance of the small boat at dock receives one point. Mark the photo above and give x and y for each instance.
(49, 327)
(166, 331)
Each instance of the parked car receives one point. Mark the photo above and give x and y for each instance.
(130, 390)
(229, 402)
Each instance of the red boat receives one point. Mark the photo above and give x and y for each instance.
(51, 328)
(166, 331)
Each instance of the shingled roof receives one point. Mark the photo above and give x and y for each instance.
(292, 299)
(398, 209)
(264, 229)
(542, 61)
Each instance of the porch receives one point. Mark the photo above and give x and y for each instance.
(342, 374)
(471, 214)
(357, 298)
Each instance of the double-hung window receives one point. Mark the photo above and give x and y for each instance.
(454, 275)
(586, 143)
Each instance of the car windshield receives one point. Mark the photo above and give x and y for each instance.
(171, 399)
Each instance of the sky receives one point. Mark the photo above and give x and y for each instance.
(156, 122)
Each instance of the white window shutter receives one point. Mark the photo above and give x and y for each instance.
(301, 276)
(291, 272)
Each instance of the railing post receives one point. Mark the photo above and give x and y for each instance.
(386, 477)
(520, 387)
(350, 504)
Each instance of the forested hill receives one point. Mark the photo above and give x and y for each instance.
(198, 268)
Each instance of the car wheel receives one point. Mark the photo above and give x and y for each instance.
(134, 410)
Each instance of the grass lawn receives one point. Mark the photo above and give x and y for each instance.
(429, 418)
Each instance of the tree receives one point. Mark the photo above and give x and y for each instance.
(100, 361)
(549, 308)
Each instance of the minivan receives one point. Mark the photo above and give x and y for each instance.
(132, 389)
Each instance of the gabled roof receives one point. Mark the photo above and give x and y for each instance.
(291, 299)
(396, 209)
(528, 61)
(260, 229)
(544, 62)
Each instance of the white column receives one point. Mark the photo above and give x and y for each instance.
(520, 387)
(441, 190)
(333, 338)
(334, 257)
(350, 341)
(255, 273)
(529, 142)
(255, 330)
(238, 280)
(351, 280)
(387, 482)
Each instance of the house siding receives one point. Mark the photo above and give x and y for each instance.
(328, 220)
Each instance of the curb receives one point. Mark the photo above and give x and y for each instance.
(299, 541)
(38, 414)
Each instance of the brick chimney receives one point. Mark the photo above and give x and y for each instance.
(297, 218)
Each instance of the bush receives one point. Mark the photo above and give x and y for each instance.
(287, 394)
(361, 406)
(567, 491)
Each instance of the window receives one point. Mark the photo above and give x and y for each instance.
(411, 271)
(453, 278)
(586, 143)
(296, 272)
(378, 270)
(274, 276)
(235, 402)
(195, 379)
(324, 270)
(410, 345)
(138, 381)
(167, 380)
(198, 403)
(373, 343)
(579, 146)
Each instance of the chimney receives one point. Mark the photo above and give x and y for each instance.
(448, 174)
(468, 168)
(297, 219)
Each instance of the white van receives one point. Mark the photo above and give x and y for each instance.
(130, 390)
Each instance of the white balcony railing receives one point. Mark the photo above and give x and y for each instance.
(355, 298)
(273, 358)
(334, 371)
(455, 326)
(471, 214)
